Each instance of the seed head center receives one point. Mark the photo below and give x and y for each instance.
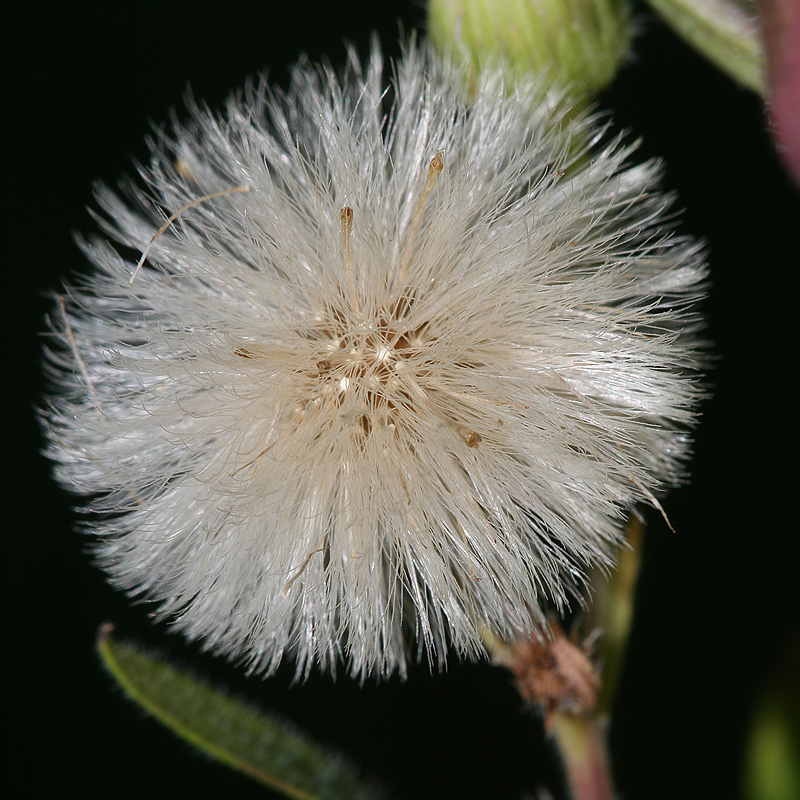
(364, 368)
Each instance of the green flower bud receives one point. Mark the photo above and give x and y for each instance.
(581, 42)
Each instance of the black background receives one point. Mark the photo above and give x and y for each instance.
(717, 598)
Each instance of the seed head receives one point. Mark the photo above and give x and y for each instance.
(355, 368)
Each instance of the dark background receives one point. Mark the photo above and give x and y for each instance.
(718, 598)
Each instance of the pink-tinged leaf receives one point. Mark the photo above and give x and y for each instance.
(781, 28)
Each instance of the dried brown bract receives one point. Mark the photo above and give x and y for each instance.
(555, 673)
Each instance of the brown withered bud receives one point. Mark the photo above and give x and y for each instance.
(554, 673)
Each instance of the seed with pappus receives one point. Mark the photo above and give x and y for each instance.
(359, 366)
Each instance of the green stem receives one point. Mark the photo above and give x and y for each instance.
(613, 612)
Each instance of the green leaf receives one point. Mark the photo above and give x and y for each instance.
(772, 755)
(223, 727)
(726, 32)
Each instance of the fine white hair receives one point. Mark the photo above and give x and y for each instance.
(397, 361)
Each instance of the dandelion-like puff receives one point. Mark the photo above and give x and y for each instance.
(358, 369)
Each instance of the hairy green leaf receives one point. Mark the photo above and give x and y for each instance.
(257, 744)
(726, 32)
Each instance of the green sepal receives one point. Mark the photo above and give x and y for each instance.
(246, 739)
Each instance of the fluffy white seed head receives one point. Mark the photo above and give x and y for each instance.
(397, 368)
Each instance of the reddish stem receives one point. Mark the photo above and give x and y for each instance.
(584, 751)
